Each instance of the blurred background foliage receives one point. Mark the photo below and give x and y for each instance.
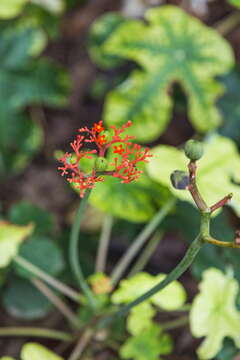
(172, 67)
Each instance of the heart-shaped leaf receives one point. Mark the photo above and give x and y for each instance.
(171, 47)
(36, 250)
(219, 315)
(215, 174)
(34, 351)
(11, 236)
(23, 212)
(22, 300)
(137, 201)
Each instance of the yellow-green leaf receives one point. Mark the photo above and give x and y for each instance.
(11, 236)
(34, 351)
(216, 170)
(10, 9)
(214, 313)
(171, 46)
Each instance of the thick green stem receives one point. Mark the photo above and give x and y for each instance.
(174, 275)
(74, 252)
(140, 241)
(40, 274)
(81, 345)
(104, 243)
(182, 321)
(35, 332)
(228, 23)
(146, 254)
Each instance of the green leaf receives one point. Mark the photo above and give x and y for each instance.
(213, 315)
(235, 3)
(229, 105)
(7, 358)
(11, 236)
(23, 301)
(100, 32)
(34, 351)
(36, 250)
(40, 82)
(20, 139)
(17, 45)
(54, 6)
(148, 345)
(140, 318)
(137, 201)
(10, 9)
(216, 169)
(171, 298)
(23, 213)
(184, 51)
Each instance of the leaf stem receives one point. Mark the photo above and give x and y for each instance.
(104, 243)
(140, 241)
(35, 332)
(173, 324)
(74, 252)
(57, 302)
(227, 24)
(39, 273)
(146, 254)
(81, 345)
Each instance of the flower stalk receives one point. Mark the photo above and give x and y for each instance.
(74, 252)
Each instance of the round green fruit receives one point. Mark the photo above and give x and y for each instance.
(193, 150)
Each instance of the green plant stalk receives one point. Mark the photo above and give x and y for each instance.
(35, 332)
(81, 345)
(227, 24)
(140, 241)
(182, 321)
(104, 243)
(174, 275)
(146, 254)
(40, 274)
(63, 308)
(74, 252)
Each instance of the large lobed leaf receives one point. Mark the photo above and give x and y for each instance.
(214, 313)
(215, 174)
(172, 46)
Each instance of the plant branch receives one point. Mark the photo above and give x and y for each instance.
(221, 203)
(174, 275)
(140, 241)
(193, 189)
(104, 243)
(35, 332)
(81, 345)
(74, 252)
(39, 273)
(173, 324)
(146, 253)
(227, 24)
(57, 302)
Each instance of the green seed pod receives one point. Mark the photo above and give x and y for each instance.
(101, 164)
(179, 179)
(193, 150)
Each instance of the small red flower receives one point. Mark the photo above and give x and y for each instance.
(101, 140)
(118, 149)
(98, 127)
(124, 167)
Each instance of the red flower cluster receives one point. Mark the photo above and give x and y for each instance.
(123, 167)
